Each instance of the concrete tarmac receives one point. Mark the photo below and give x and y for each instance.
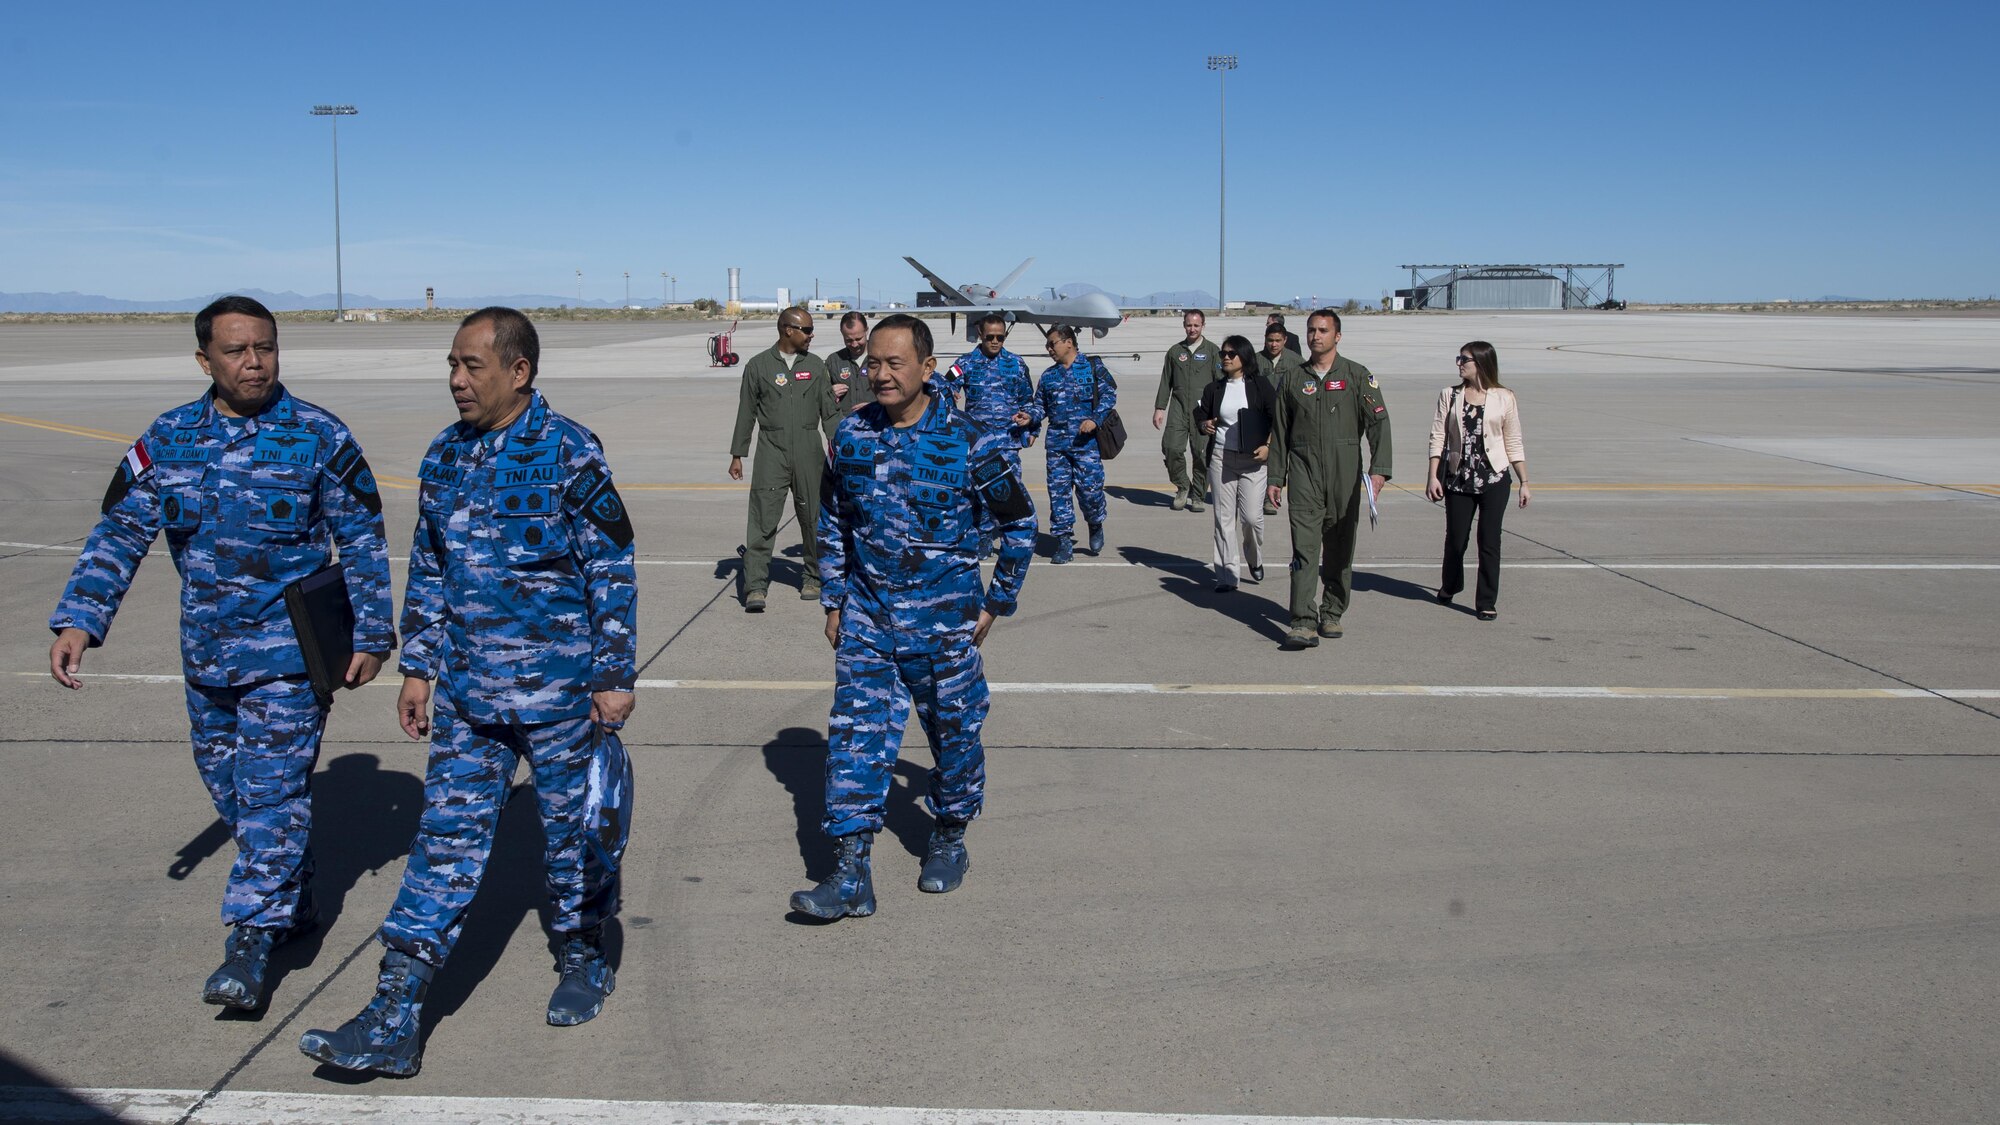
(1700, 830)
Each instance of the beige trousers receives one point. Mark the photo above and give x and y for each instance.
(1236, 481)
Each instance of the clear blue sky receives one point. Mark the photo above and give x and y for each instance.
(1721, 151)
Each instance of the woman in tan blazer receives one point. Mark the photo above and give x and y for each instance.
(1475, 438)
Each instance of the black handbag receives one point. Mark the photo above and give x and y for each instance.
(1110, 432)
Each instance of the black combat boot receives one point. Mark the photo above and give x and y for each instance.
(246, 956)
(945, 861)
(1096, 539)
(387, 1036)
(239, 982)
(587, 978)
(850, 891)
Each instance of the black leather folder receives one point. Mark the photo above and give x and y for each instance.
(323, 618)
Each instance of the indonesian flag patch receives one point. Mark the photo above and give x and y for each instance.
(138, 462)
(957, 372)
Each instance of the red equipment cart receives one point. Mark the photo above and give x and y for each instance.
(722, 347)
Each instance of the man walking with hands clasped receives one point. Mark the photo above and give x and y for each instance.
(785, 397)
(909, 481)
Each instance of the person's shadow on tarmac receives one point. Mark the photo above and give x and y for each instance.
(514, 888)
(1143, 497)
(1372, 583)
(363, 821)
(796, 757)
(1190, 581)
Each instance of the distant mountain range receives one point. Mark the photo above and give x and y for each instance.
(287, 301)
(1168, 298)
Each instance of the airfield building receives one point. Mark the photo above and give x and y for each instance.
(1558, 286)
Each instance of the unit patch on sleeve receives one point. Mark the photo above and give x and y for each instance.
(608, 512)
(350, 468)
(592, 495)
(1001, 491)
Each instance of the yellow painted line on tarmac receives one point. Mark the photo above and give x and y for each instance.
(66, 428)
(1719, 486)
(404, 483)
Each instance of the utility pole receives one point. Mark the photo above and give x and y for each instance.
(579, 287)
(628, 287)
(1222, 65)
(336, 112)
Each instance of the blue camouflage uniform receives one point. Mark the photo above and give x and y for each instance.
(1066, 395)
(900, 512)
(522, 601)
(248, 505)
(995, 390)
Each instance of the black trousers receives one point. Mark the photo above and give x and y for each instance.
(1491, 506)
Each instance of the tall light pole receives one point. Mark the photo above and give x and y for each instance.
(579, 288)
(339, 283)
(1222, 65)
(628, 288)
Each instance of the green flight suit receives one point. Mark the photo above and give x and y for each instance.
(1316, 456)
(847, 371)
(1187, 370)
(1274, 369)
(787, 404)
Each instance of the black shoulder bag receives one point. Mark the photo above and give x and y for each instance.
(1110, 432)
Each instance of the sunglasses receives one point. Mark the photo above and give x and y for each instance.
(1462, 360)
(1002, 338)
(805, 328)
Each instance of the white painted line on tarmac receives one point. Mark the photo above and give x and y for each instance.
(1384, 691)
(1190, 564)
(242, 1108)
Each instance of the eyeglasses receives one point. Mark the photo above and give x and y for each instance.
(1001, 338)
(805, 328)
(1462, 360)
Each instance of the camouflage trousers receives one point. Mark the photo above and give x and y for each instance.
(465, 786)
(255, 745)
(1077, 469)
(873, 690)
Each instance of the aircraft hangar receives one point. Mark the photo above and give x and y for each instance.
(1565, 285)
